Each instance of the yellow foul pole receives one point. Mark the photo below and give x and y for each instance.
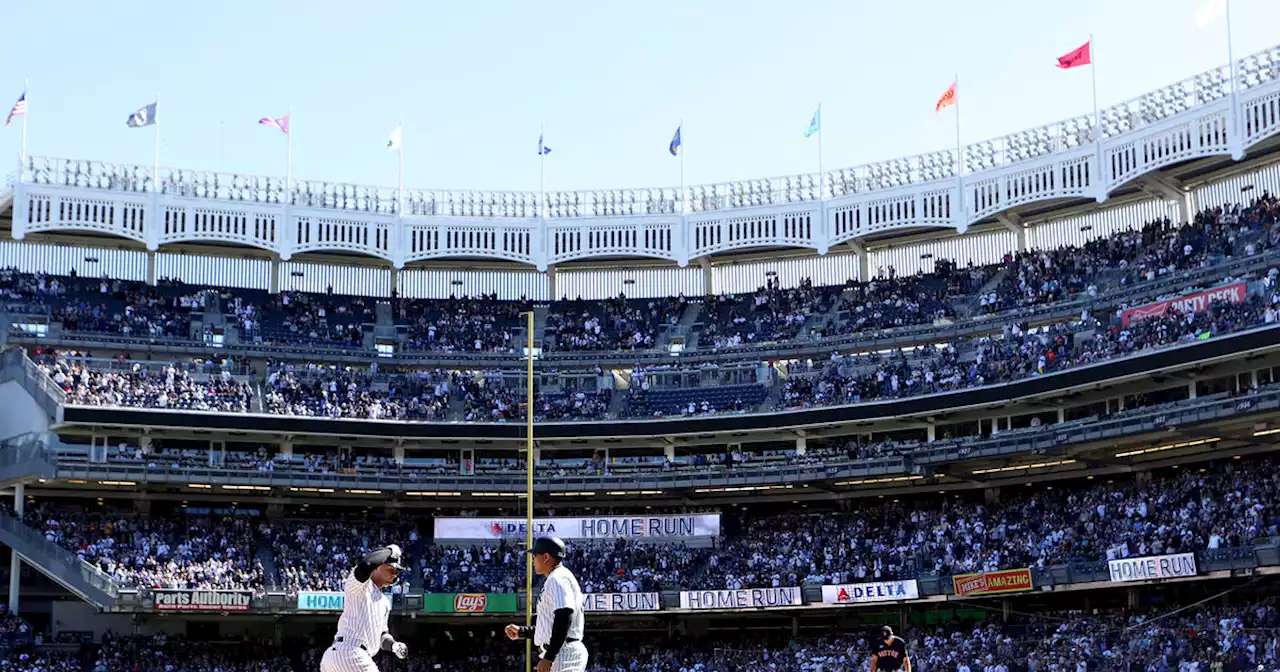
(528, 492)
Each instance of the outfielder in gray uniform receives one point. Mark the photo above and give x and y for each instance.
(557, 628)
(362, 628)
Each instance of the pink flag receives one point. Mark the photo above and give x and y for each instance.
(1076, 57)
(281, 123)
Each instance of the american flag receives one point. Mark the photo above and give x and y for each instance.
(281, 123)
(19, 108)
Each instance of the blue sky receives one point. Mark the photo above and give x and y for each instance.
(473, 81)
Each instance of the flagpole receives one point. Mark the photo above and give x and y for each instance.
(822, 177)
(155, 154)
(288, 160)
(1093, 74)
(22, 156)
(1097, 119)
(1238, 135)
(400, 172)
(542, 171)
(960, 222)
(683, 201)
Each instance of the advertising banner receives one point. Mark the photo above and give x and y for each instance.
(1153, 567)
(992, 583)
(320, 601)
(621, 602)
(1190, 303)
(752, 598)
(469, 603)
(202, 600)
(878, 591)
(604, 527)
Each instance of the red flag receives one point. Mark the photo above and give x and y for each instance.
(1076, 58)
(948, 98)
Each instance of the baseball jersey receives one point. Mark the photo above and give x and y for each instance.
(560, 591)
(889, 656)
(364, 613)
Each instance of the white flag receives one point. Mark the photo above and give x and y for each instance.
(1209, 12)
(396, 139)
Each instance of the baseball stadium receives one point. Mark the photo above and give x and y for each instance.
(1010, 403)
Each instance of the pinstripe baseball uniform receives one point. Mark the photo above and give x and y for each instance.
(561, 591)
(364, 618)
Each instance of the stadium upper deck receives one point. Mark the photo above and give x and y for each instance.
(1156, 142)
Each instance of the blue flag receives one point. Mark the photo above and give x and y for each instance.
(815, 124)
(143, 117)
(674, 147)
(543, 150)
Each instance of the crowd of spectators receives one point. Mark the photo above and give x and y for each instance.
(28, 660)
(612, 324)
(141, 387)
(166, 653)
(1229, 507)
(889, 301)
(333, 391)
(317, 555)
(1017, 353)
(298, 318)
(318, 390)
(467, 324)
(770, 314)
(1239, 638)
(1225, 506)
(157, 552)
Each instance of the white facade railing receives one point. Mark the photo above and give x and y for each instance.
(1201, 116)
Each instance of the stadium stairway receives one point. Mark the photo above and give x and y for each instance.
(62, 566)
(267, 559)
(683, 331)
(973, 306)
(520, 339)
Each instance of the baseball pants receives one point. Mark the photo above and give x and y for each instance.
(348, 659)
(572, 658)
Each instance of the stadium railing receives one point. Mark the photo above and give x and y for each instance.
(64, 567)
(885, 471)
(1216, 563)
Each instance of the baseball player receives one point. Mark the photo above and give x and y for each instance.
(362, 628)
(891, 652)
(557, 628)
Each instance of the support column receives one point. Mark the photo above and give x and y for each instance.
(286, 449)
(1191, 388)
(1168, 188)
(802, 444)
(1014, 224)
(145, 443)
(395, 281)
(931, 432)
(15, 564)
(274, 285)
(991, 495)
(864, 260)
(397, 453)
(708, 277)
(151, 268)
(669, 452)
(1062, 415)
(551, 284)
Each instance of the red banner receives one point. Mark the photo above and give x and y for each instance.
(1191, 303)
(990, 583)
(1076, 57)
